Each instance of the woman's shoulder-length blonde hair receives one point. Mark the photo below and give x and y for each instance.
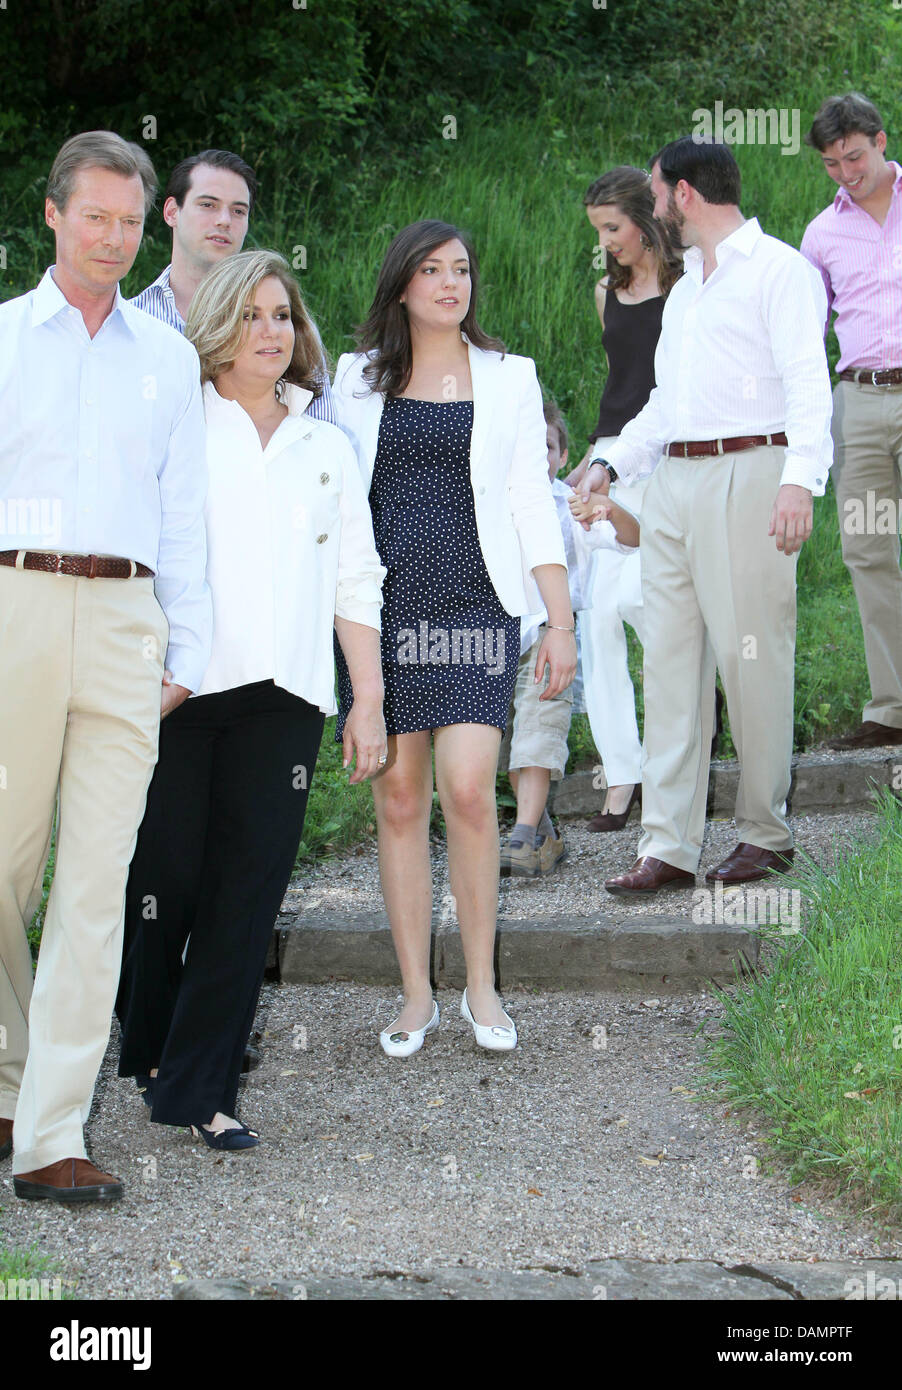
(217, 327)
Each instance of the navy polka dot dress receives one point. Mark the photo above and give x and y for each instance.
(449, 648)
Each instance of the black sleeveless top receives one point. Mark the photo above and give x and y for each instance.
(630, 335)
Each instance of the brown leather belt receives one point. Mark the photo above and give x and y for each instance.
(81, 566)
(891, 377)
(710, 448)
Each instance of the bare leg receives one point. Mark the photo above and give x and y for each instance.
(531, 786)
(618, 798)
(402, 794)
(466, 760)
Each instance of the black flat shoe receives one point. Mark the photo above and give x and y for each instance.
(145, 1085)
(242, 1138)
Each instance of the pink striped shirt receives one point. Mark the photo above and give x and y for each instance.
(861, 264)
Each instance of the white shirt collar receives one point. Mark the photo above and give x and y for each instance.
(297, 398)
(743, 240)
(48, 299)
(844, 199)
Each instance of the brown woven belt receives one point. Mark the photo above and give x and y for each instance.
(891, 377)
(81, 566)
(710, 448)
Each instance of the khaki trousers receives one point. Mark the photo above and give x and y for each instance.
(867, 439)
(82, 662)
(716, 591)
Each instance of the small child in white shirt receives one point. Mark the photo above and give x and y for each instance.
(534, 748)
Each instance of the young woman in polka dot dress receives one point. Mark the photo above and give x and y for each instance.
(450, 438)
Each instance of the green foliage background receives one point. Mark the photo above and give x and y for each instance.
(342, 108)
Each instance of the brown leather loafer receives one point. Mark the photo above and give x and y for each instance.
(868, 735)
(69, 1180)
(6, 1138)
(749, 862)
(647, 876)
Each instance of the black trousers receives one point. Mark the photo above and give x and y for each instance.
(225, 813)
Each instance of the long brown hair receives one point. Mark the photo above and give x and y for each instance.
(386, 331)
(629, 189)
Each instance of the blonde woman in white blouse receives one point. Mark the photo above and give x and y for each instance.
(290, 557)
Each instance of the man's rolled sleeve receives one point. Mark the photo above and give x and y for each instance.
(180, 584)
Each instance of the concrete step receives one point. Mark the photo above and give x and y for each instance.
(616, 1279)
(651, 953)
(822, 782)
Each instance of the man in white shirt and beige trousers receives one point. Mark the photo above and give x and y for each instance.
(102, 558)
(741, 415)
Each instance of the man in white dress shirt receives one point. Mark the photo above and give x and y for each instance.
(102, 597)
(741, 415)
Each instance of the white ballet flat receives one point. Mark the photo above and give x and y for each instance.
(401, 1044)
(496, 1039)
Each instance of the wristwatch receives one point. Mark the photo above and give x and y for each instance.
(612, 473)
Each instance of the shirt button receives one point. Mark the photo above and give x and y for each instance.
(320, 539)
(481, 491)
(324, 478)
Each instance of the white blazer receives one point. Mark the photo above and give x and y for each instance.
(515, 513)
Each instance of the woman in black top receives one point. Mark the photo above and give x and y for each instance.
(641, 267)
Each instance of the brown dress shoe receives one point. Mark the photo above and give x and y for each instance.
(69, 1180)
(749, 862)
(868, 735)
(647, 876)
(6, 1138)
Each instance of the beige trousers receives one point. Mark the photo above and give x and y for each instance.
(716, 591)
(867, 439)
(82, 662)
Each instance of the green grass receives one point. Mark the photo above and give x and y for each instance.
(815, 1044)
(31, 1265)
(515, 177)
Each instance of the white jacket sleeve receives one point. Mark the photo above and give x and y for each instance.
(360, 574)
(532, 504)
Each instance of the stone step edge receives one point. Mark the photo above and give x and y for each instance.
(659, 952)
(821, 783)
(614, 1279)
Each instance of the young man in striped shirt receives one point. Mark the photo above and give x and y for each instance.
(856, 244)
(207, 204)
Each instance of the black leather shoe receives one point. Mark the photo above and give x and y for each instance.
(232, 1139)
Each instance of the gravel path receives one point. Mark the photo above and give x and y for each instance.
(576, 887)
(587, 1142)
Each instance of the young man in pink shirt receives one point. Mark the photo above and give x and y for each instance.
(856, 244)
